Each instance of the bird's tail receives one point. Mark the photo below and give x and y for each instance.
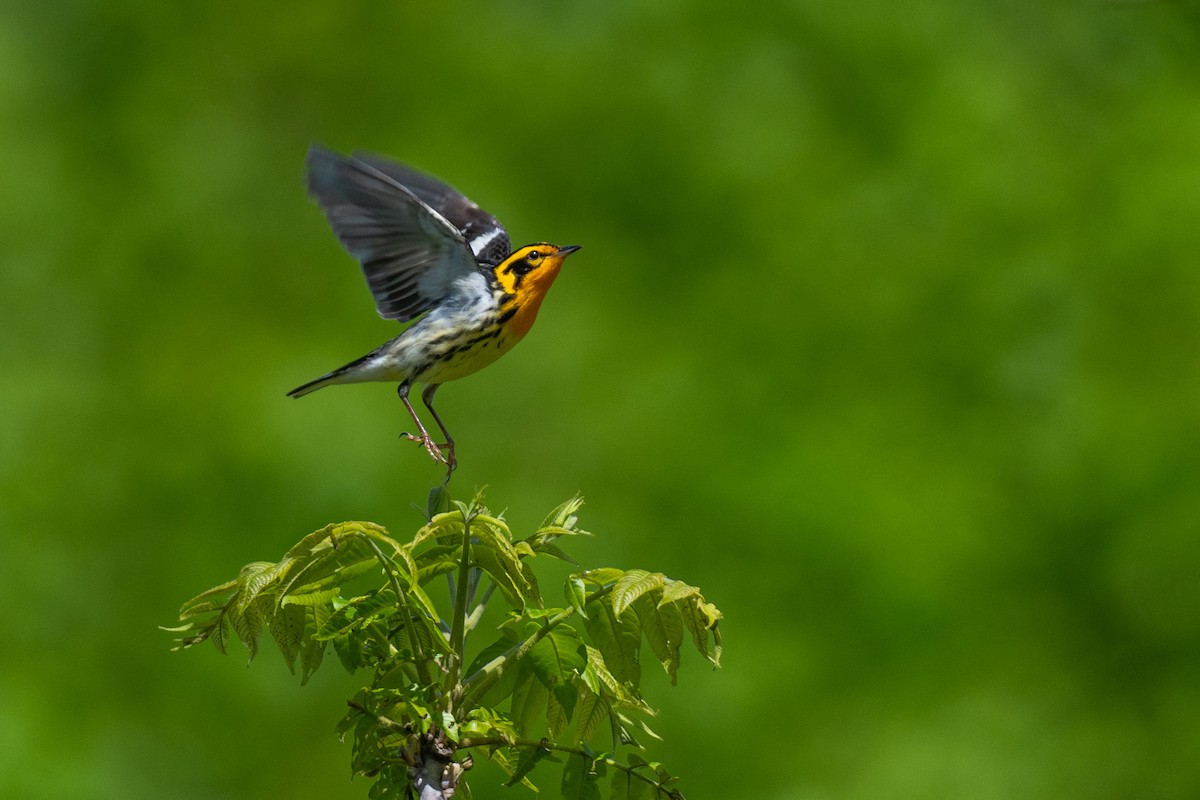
(343, 374)
(313, 385)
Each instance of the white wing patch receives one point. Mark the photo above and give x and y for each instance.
(480, 242)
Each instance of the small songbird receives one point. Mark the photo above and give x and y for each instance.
(426, 249)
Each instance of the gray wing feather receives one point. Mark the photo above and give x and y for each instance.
(410, 253)
(484, 233)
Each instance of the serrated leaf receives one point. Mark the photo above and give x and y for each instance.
(528, 701)
(254, 577)
(248, 627)
(662, 627)
(553, 550)
(347, 550)
(434, 569)
(674, 591)
(506, 574)
(311, 650)
(530, 757)
(576, 593)
(632, 585)
(628, 787)
(303, 548)
(558, 657)
(188, 608)
(358, 611)
(503, 687)
(698, 625)
(438, 501)
(501, 759)
(557, 714)
(430, 635)
(424, 602)
(619, 640)
(199, 609)
(323, 597)
(287, 629)
(608, 687)
(554, 531)
(590, 711)
(442, 528)
(579, 780)
(641, 723)
(561, 516)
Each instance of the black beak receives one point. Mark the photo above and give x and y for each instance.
(566, 251)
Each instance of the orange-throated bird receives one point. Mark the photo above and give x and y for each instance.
(427, 249)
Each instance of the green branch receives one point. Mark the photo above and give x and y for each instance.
(419, 657)
(546, 744)
(458, 620)
(477, 684)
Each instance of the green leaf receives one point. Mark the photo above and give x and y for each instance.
(345, 551)
(502, 760)
(662, 627)
(558, 657)
(579, 781)
(632, 585)
(424, 603)
(354, 613)
(619, 639)
(563, 516)
(674, 591)
(286, 627)
(528, 701)
(554, 551)
(699, 618)
(504, 571)
(590, 711)
(311, 650)
(602, 576)
(576, 593)
(503, 687)
(530, 756)
(248, 627)
(194, 605)
(303, 548)
(557, 660)
(323, 597)
(628, 787)
(445, 528)
(598, 678)
(255, 577)
(438, 502)
(558, 716)
(434, 568)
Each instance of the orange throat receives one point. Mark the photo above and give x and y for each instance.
(529, 300)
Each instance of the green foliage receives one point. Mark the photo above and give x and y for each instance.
(572, 672)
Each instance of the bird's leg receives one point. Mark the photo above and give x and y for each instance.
(427, 398)
(424, 439)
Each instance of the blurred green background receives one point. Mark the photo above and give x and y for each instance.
(886, 333)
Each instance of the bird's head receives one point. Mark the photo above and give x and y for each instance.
(529, 271)
(527, 275)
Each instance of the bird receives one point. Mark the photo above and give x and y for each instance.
(428, 252)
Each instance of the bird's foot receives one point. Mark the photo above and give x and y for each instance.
(441, 453)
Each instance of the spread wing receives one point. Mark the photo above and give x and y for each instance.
(483, 232)
(410, 250)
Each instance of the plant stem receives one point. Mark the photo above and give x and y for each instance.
(478, 683)
(422, 663)
(458, 620)
(546, 744)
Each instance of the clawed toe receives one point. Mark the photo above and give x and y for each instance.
(442, 453)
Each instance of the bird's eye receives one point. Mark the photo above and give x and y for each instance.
(534, 258)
